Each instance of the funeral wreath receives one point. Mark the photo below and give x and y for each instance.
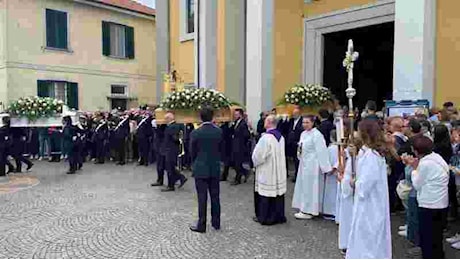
(195, 99)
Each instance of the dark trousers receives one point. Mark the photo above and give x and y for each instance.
(144, 148)
(225, 171)
(296, 165)
(240, 171)
(3, 159)
(173, 174)
(80, 156)
(73, 160)
(203, 186)
(100, 151)
(392, 184)
(19, 159)
(431, 226)
(453, 203)
(161, 163)
(121, 150)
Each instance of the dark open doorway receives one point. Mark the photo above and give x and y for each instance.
(373, 73)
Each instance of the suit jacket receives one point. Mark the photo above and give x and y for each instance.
(122, 129)
(145, 130)
(5, 139)
(293, 136)
(325, 128)
(19, 137)
(69, 132)
(205, 150)
(101, 133)
(170, 144)
(227, 133)
(240, 138)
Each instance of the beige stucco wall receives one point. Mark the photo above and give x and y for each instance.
(85, 64)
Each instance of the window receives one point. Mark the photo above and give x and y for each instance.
(190, 9)
(119, 97)
(117, 40)
(187, 19)
(61, 90)
(56, 29)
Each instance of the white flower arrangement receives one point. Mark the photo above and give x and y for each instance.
(307, 95)
(36, 107)
(194, 99)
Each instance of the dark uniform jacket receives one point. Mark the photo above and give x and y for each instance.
(205, 149)
(293, 136)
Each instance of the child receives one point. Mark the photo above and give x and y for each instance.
(328, 185)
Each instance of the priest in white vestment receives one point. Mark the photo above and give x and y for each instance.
(270, 181)
(370, 235)
(313, 164)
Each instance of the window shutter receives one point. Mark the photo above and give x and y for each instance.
(61, 30)
(105, 38)
(129, 31)
(50, 28)
(72, 95)
(43, 88)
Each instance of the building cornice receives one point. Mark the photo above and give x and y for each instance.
(75, 70)
(116, 9)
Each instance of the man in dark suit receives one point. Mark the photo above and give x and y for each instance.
(70, 143)
(205, 148)
(226, 155)
(5, 142)
(292, 131)
(121, 136)
(325, 126)
(240, 140)
(17, 149)
(170, 149)
(161, 158)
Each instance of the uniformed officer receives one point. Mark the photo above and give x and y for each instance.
(101, 135)
(4, 144)
(121, 134)
(70, 143)
(161, 158)
(144, 134)
(17, 150)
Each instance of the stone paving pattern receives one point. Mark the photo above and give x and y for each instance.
(109, 211)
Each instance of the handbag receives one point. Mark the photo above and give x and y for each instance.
(403, 189)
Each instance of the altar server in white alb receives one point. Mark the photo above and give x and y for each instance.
(314, 162)
(270, 185)
(329, 182)
(370, 235)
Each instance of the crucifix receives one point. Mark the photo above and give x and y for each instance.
(350, 57)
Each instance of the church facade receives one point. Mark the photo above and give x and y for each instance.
(255, 50)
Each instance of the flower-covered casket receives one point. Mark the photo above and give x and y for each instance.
(310, 98)
(186, 104)
(39, 112)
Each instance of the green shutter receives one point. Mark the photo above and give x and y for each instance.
(61, 30)
(105, 38)
(72, 95)
(50, 28)
(43, 88)
(129, 38)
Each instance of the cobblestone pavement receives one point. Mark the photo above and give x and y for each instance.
(110, 211)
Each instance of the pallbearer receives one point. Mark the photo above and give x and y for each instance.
(17, 151)
(4, 144)
(144, 134)
(227, 133)
(82, 133)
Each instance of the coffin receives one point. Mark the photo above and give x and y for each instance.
(192, 116)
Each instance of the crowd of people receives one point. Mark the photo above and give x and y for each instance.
(409, 163)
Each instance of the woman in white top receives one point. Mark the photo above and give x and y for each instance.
(370, 235)
(430, 179)
(313, 163)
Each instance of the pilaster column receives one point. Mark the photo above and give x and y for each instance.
(414, 50)
(259, 57)
(162, 45)
(207, 43)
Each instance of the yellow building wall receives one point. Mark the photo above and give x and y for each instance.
(221, 46)
(288, 39)
(182, 54)
(316, 8)
(28, 61)
(447, 52)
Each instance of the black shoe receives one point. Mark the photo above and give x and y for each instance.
(168, 189)
(10, 170)
(216, 227)
(294, 180)
(156, 184)
(195, 229)
(255, 219)
(183, 181)
(223, 179)
(121, 163)
(245, 178)
(79, 167)
(71, 172)
(29, 166)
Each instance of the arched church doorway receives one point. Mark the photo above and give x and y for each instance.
(373, 73)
